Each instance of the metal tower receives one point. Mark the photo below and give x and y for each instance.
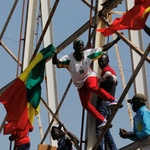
(28, 26)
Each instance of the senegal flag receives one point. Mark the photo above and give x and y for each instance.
(22, 98)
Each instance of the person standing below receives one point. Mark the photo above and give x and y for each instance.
(21, 139)
(107, 81)
(63, 142)
(84, 78)
(141, 120)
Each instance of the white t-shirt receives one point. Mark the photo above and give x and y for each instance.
(80, 70)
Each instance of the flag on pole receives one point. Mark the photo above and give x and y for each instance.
(22, 98)
(134, 19)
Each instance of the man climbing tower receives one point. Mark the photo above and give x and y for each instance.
(84, 78)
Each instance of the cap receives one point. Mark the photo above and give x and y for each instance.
(56, 132)
(76, 41)
(139, 97)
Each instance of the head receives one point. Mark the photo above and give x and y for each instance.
(56, 133)
(78, 46)
(103, 60)
(137, 101)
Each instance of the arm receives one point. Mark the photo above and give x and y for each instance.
(109, 81)
(110, 44)
(109, 85)
(63, 62)
(13, 136)
(55, 61)
(127, 135)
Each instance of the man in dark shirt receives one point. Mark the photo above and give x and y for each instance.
(63, 142)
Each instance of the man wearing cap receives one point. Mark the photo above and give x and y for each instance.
(141, 128)
(84, 78)
(63, 142)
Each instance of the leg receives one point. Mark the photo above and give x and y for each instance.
(101, 145)
(101, 106)
(85, 96)
(110, 141)
(98, 132)
(91, 83)
(103, 109)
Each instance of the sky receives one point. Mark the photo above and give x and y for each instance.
(69, 16)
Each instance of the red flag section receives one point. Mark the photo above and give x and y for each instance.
(15, 102)
(132, 19)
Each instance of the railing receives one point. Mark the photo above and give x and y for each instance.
(143, 144)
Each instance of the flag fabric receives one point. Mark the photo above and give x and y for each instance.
(22, 98)
(146, 11)
(137, 2)
(134, 19)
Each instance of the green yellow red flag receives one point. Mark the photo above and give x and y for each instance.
(22, 98)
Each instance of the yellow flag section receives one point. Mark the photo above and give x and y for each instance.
(146, 11)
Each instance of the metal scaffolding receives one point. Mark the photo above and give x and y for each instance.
(37, 31)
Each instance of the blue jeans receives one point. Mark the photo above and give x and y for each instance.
(102, 108)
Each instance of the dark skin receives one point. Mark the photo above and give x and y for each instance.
(125, 134)
(79, 48)
(122, 132)
(103, 61)
(78, 53)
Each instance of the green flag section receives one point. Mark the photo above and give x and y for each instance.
(21, 100)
